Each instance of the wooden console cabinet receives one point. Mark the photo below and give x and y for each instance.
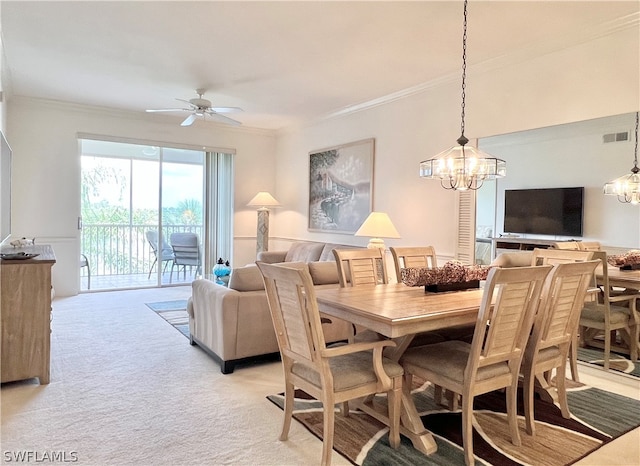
(25, 315)
(508, 244)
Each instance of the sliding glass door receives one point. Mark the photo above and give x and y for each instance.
(149, 213)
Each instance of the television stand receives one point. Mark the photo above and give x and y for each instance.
(512, 244)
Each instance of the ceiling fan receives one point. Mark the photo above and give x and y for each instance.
(202, 107)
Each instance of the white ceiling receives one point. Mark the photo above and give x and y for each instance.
(284, 63)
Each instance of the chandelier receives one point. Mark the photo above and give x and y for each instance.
(627, 187)
(463, 167)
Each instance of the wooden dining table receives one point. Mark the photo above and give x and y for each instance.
(400, 312)
(622, 278)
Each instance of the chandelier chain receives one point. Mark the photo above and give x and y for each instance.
(464, 66)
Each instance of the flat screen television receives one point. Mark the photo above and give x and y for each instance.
(544, 211)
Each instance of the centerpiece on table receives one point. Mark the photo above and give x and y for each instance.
(627, 261)
(452, 276)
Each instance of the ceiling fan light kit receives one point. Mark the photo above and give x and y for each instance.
(201, 107)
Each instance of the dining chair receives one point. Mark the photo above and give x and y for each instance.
(361, 266)
(331, 375)
(559, 256)
(553, 256)
(166, 251)
(554, 330)
(492, 360)
(608, 316)
(357, 267)
(566, 245)
(577, 245)
(420, 256)
(186, 253)
(425, 256)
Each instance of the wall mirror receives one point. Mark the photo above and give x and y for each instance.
(582, 154)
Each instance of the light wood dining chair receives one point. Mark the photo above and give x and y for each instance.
(492, 360)
(331, 375)
(610, 315)
(553, 256)
(361, 266)
(559, 256)
(420, 256)
(554, 331)
(357, 267)
(577, 245)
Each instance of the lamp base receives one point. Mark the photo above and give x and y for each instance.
(376, 243)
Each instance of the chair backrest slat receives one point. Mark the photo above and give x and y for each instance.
(558, 256)
(563, 298)
(502, 329)
(419, 256)
(186, 248)
(361, 266)
(294, 311)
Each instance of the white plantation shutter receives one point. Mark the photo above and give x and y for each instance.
(466, 231)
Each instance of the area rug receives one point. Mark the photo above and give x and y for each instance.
(174, 312)
(617, 362)
(597, 418)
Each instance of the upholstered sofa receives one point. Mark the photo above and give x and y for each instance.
(233, 323)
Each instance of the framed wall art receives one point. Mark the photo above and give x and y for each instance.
(341, 187)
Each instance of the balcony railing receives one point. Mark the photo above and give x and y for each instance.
(123, 249)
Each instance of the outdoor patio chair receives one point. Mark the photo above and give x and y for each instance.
(167, 251)
(186, 253)
(84, 262)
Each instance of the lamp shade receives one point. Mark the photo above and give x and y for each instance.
(378, 225)
(263, 199)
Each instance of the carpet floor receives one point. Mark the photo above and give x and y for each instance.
(597, 418)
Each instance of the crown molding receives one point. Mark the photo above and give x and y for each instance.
(129, 114)
(528, 53)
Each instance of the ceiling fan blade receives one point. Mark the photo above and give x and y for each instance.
(226, 109)
(168, 110)
(185, 101)
(222, 118)
(189, 120)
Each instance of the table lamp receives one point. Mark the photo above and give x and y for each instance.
(263, 200)
(377, 226)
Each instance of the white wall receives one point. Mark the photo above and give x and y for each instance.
(46, 168)
(590, 80)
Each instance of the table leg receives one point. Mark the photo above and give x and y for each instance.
(412, 427)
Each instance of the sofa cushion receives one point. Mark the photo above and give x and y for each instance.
(246, 278)
(324, 273)
(304, 252)
(513, 259)
(327, 251)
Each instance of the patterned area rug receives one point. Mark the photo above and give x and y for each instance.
(617, 362)
(174, 312)
(597, 418)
